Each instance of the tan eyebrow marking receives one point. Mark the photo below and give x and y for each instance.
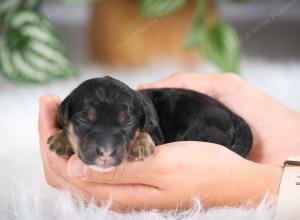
(92, 114)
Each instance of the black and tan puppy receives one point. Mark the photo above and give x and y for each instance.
(104, 121)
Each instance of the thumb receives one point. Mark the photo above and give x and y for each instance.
(76, 168)
(48, 106)
(168, 82)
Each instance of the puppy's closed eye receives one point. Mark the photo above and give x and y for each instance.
(82, 120)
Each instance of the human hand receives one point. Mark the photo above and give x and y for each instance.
(169, 179)
(275, 128)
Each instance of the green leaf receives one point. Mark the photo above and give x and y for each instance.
(31, 51)
(220, 44)
(8, 6)
(77, 1)
(238, 1)
(160, 7)
(197, 32)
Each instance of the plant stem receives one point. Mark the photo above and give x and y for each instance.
(202, 7)
(206, 12)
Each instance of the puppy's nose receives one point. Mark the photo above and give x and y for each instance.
(106, 154)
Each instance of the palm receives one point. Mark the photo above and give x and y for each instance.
(274, 126)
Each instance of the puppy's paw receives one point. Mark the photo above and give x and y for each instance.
(141, 147)
(60, 144)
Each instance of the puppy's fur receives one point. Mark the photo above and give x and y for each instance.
(105, 114)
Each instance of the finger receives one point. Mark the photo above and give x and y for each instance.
(146, 171)
(55, 99)
(47, 115)
(141, 172)
(123, 196)
(204, 83)
(167, 82)
(52, 162)
(47, 123)
(214, 84)
(60, 183)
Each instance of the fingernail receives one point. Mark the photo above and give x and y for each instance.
(77, 169)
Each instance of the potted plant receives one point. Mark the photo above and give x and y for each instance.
(129, 32)
(133, 32)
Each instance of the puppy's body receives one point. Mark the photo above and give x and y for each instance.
(186, 115)
(104, 121)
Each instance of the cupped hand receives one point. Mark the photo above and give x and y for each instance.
(171, 178)
(274, 126)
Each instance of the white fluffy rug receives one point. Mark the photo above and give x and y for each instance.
(25, 195)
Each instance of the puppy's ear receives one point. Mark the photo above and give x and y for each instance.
(143, 117)
(140, 110)
(63, 115)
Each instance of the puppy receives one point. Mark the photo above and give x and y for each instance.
(104, 122)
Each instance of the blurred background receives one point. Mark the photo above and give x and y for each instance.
(110, 37)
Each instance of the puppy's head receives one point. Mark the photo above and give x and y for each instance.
(104, 132)
(101, 125)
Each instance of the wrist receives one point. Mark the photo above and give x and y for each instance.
(248, 182)
(256, 181)
(265, 179)
(290, 136)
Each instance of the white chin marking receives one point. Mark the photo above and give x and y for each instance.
(101, 169)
